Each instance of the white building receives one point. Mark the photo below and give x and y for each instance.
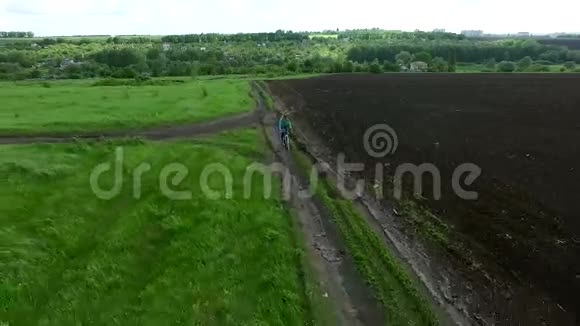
(472, 33)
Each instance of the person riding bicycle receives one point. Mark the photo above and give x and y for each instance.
(284, 126)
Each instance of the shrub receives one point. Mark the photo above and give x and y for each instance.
(389, 66)
(537, 68)
(375, 68)
(570, 65)
(438, 64)
(525, 63)
(506, 66)
(490, 64)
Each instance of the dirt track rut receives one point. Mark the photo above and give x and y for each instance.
(156, 133)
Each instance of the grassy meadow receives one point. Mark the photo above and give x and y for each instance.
(69, 258)
(61, 107)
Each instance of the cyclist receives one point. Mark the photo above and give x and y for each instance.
(284, 126)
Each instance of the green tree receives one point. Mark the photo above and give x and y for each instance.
(525, 63)
(490, 64)
(389, 66)
(438, 64)
(122, 57)
(35, 74)
(452, 62)
(292, 66)
(375, 67)
(404, 58)
(347, 66)
(507, 56)
(570, 65)
(552, 55)
(423, 56)
(506, 66)
(337, 67)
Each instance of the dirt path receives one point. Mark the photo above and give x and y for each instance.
(346, 294)
(156, 133)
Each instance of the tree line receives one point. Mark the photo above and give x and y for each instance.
(278, 36)
(279, 53)
(16, 34)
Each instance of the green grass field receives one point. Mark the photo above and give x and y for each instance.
(61, 107)
(69, 258)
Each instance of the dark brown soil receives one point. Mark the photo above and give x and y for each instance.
(521, 129)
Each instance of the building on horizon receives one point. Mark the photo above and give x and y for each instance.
(472, 33)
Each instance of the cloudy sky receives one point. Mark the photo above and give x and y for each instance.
(76, 17)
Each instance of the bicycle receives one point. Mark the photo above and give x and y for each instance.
(286, 140)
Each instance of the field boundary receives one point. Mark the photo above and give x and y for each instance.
(337, 293)
(411, 258)
(434, 310)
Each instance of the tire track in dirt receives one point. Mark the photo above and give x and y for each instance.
(349, 298)
(154, 133)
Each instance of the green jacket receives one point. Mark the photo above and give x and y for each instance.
(284, 124)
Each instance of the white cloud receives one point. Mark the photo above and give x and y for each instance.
(65, 17)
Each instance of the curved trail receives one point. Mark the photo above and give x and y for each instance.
(154, 133)
(347, 298)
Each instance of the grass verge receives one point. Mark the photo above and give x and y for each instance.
(67, 257)
(61, 107)
(402, 302)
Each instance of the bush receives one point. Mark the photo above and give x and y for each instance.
(347, 66)
(375, 68)
(35, 74)
(136, 82)
(423, 56)
(389, 66)
(525, 63)
(9, 68)
(490, 64)
(570, 65)
(537, 68)
(506, 66)
(438, 64)
(126, 72)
